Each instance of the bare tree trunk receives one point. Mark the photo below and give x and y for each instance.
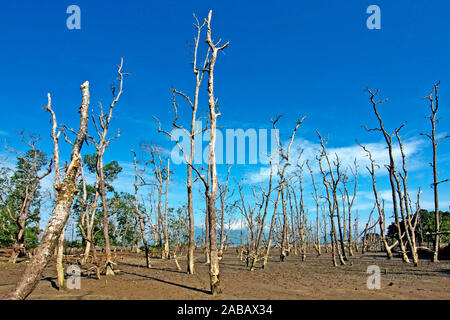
(166, 211)
(316, 200)
(108, 261)
(102, 127)
(391, 170)
(87, 250)
(381, 219)
(272, 224)
(434, 105)
(138, 211)
(191, 246)
(66, 194)
(333, 205)
(207, 250)
(409, 230)
(59, 261)
(212, 194)
(260, 232)
(223, 190)
(325, 234)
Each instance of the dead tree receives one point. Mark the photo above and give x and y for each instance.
(410, 229)
(188, 155)
(294, 213)
(433, 98)
(325, 234)
(355, 231)
(102, 127)
(350, 201)
(210, 183)
(55, 135)
(260, 228)
(390, 167)
(166, 250)
(367, 228)
(223, 194)
(300, 211)
(161, 175)
(86, 223)
(211, 189)
(371, 169)
(331, 187)
(284, 156)
(272, 226)
(316, 200)
(248, 214)
(140, 217)
(66, 193)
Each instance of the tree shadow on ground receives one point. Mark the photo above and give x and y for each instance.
(52, 282)
(168, 282)
(152, 268)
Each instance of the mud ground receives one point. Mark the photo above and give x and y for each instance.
(314, 278)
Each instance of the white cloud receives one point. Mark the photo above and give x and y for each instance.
(347, 154)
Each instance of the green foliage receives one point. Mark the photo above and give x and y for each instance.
(14, 186)
(426, 224)
(125, 229)
(31, 236)
(7, 229)
(110, 170)
(178, 223)
(117, 203)
(155, 249)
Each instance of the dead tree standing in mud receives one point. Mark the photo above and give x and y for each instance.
(56, 133)
(331, 186)
(325, 234)
(284, 162)
(211, 188)
(260, 229)
(66, 193)
(409, 228)
(316, 200)
(388, 248)
(350, 200)
(434, 105)
(223, 194)
(210, 183)
(189, 155)
(247, 213)
(166, 250)
(391, 169)
(300, 213)
(86, 223)
(161, 176)
(272, 226)
(101, 144)
(367, 229)
(139, 214)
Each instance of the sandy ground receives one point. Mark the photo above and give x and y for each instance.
(314, 278)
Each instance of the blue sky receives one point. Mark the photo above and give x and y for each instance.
(285, 57)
